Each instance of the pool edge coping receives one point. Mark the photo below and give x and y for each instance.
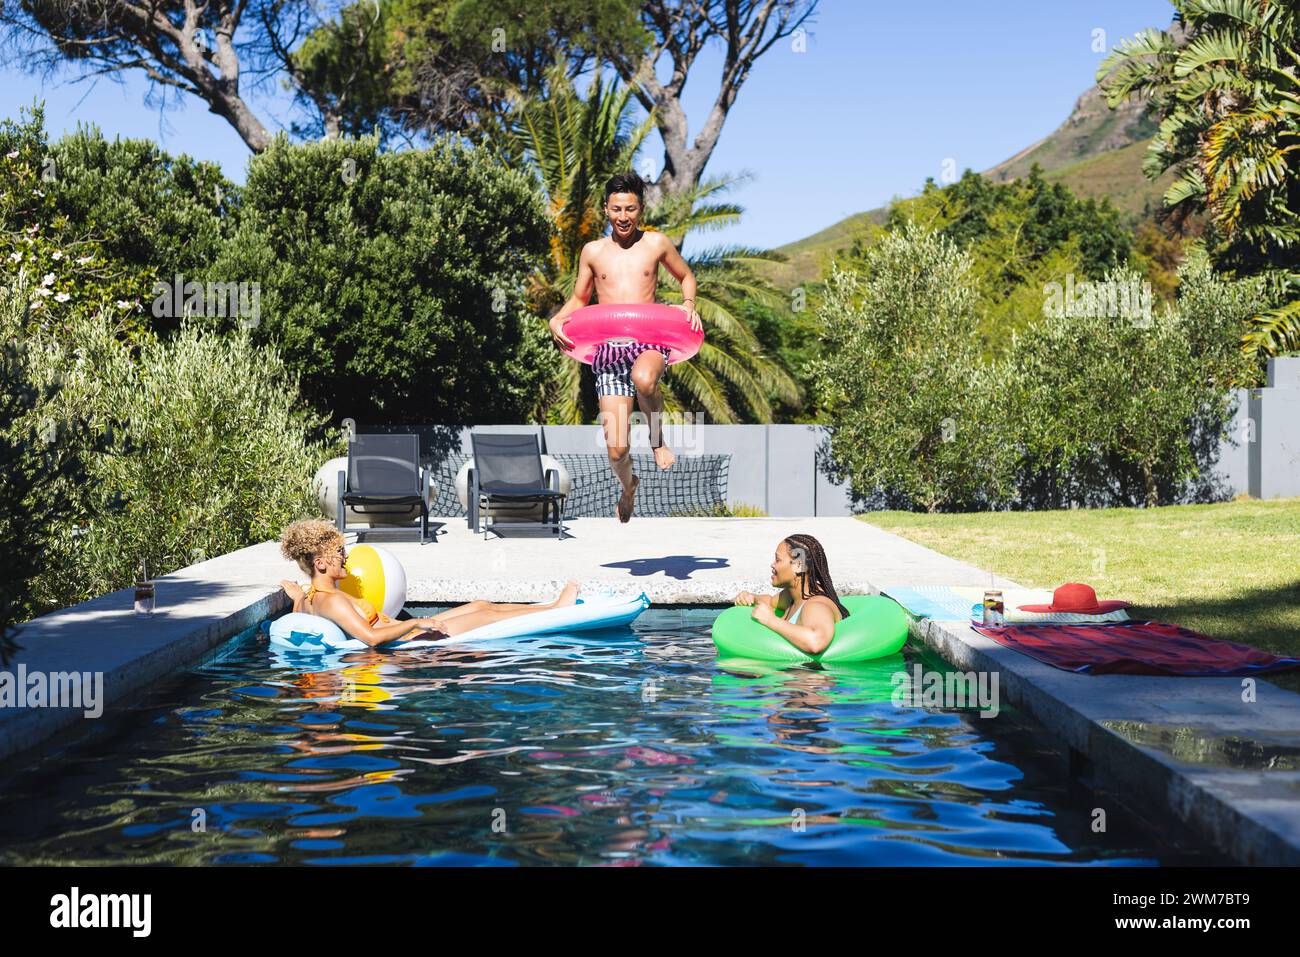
(1198, 798)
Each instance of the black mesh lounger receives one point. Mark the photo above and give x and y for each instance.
(384, 477)
(508, 468)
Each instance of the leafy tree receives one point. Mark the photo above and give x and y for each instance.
(420, 67)
(1159, 253)
(96, 224)
(917, 416)
(1224, 83)
(393, 283)
(571, 145)
(790, 333)
(1033, 215)
(428, 66)
(40, 466)
(159, 213)
(1021, 236)
(70, 268)
(1087, 407)
(184, 47)
(1115, 401)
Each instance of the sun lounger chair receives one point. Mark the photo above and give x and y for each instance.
(384, 478)
(508, 469)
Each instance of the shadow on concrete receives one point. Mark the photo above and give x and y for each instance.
(1258, 617)
(523, 532)
(107, 626)
(397, 533)
(679, 567)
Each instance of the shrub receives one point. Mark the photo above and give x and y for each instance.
(916, 414)
(1112, 406)
(392, 283)
(211, 451)
(94, 224)
(39, 468)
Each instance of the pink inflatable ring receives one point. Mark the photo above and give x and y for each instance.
(650, 323)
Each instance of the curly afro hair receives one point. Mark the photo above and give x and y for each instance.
(305, 541)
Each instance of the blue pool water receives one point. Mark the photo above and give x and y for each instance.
(630, 747)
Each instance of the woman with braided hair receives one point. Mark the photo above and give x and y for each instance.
(808, 602)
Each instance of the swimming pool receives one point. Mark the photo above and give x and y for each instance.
(619, 748)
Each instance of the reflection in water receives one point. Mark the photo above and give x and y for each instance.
(1262, 752)
(611, 749)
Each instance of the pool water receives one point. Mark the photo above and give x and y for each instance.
(613, 748)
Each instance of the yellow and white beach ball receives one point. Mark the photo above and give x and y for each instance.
(375, 575)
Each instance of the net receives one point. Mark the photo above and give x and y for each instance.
(696, 485)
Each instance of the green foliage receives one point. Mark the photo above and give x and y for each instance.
(345, 67)
(95, 224)
(1029, 215)
(901, 378)
(1020, 236)
(790, 334)
(400, 66)
(1127, 391)
(393, 283)
(40, 468)
(69, 269)
(211, 450)
(160, 214)
(1229, 102)
(1159, 254)
(1087, 406)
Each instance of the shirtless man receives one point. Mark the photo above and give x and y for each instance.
(624, 268)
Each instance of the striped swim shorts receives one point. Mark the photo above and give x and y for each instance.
(612, 365)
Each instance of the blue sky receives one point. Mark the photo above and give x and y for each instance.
(884, 94)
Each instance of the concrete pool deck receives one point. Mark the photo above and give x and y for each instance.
(1227, 768)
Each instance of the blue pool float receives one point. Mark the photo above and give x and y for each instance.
(302, 632)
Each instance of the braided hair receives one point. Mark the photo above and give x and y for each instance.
(816, 577)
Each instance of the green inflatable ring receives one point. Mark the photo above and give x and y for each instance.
(876, 626)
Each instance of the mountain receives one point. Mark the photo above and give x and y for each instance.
(1096, 152)
(1092, 129)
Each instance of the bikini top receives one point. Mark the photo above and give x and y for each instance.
(366, 609)
(794, 619)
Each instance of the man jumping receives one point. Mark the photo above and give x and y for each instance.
(623, 268)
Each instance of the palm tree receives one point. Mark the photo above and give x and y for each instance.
(732, 368)
(572, 146)
(1229, 98)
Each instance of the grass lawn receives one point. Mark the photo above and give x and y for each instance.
(1230, 570)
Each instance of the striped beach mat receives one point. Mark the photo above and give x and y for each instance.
(939, 602)
(1136, 648)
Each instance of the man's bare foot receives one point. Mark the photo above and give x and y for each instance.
(664, 457)
(568, 595)
(627, 500)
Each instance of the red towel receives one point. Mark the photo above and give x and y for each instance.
(1136, 648)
